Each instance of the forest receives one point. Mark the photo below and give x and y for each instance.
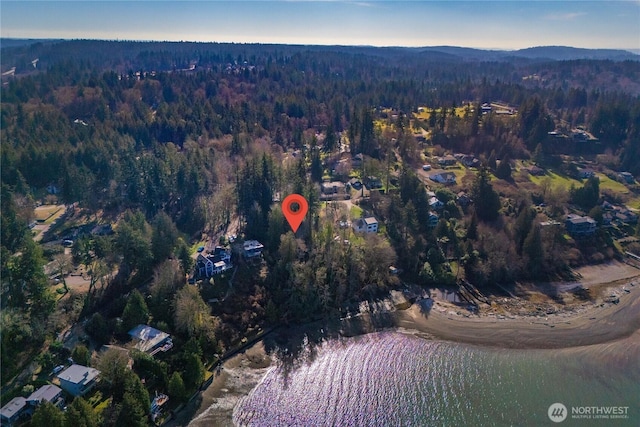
(174, 143)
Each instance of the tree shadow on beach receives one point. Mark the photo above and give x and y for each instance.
(425, 305)
(295, 346)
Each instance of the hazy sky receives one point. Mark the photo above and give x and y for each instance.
(485, 24)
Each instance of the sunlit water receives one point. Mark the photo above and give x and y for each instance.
(398, 379)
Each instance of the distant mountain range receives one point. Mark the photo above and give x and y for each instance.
(440, 53)
(555, 53)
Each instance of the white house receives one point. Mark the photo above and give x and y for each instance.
(444, 177)
(47, 393)
(366, 225)
(151, 340)
(252, 249)
(77, 379)
(435, 203)
(10, 412)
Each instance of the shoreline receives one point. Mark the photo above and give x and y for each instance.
(586, 324)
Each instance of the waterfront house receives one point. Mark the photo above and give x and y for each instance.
(580, 226)
(77, 379)
(151, 340)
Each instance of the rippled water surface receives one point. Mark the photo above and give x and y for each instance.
(397, 379)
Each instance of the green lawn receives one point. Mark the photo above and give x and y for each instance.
(556, 180)
(356, 211)
(607, 183)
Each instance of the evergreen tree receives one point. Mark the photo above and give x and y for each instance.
(47, 415)
(472, 229)
(81, 355)
(164, 236)
(177, 389)
(534, 252)
(135, 312)
(80, 414)
(193, 371)
(485, 198)
(503, 171)
(316, 166)
(132, 414)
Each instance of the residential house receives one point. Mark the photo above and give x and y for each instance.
(447, 160)
(252, 249)
(12, 411)
(334, 187)
(435, 203)
(535, 170)
(485, 108)
(77, 379)
(626, 177)
(151, 340)
(372, 182)
(463, 199)
(470, 161)
(216, 263)
(53, 189)
(444, 178)
(355, 183)
(432, 220)
(47, 393)
(626, 216)
(580, 226)
(366, 225)
(586, 173)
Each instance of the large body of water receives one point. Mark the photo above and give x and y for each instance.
(399, 379)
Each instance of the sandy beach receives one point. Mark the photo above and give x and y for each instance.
(584, 324)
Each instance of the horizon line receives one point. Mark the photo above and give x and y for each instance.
(635, 51)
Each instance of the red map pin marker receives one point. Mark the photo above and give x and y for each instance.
(294, 208)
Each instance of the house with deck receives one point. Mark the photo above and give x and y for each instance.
(47, 393)
(216, 263)
(580, 226)
(77, 380)
(151, 340)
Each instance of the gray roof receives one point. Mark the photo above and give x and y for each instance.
(47, 392)
(78, 374)
(252, 244)
(370, 220)
(12, 408)
(149, 337)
